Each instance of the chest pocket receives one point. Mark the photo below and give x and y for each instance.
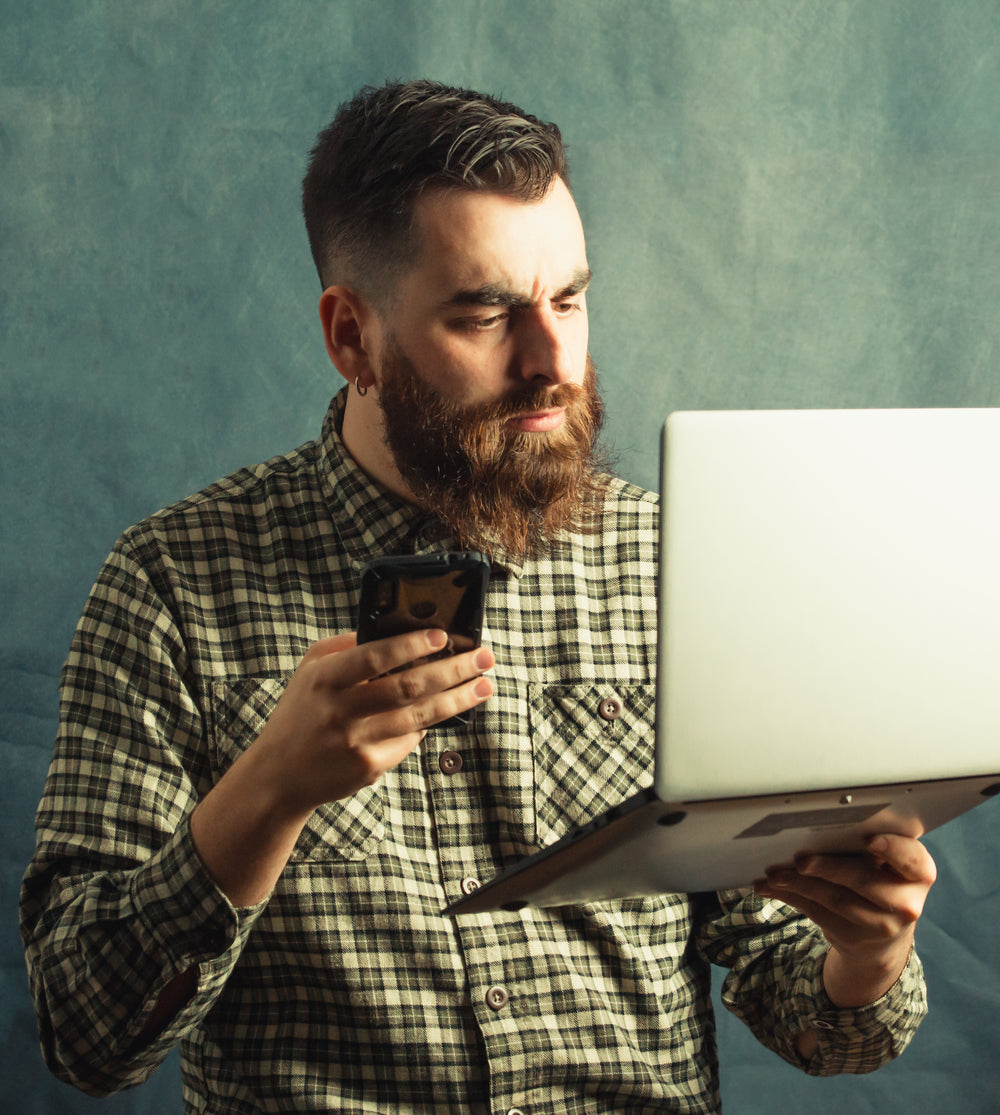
(340, 830)
(592, 748)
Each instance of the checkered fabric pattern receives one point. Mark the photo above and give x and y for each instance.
(347, 990)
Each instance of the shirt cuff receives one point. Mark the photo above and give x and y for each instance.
(183, 909)
(861, 1039)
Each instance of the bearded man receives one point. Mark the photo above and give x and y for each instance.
(250, 826)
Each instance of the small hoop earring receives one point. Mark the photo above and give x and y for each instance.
(362, 391)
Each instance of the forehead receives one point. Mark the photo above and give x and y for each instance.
(468, 239)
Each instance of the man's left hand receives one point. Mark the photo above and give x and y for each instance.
(867, 906)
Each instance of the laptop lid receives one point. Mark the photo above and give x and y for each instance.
(830, 599)
(828, 650)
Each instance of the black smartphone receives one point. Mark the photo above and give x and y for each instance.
(416, 592)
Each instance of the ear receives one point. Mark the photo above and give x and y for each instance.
(351, 332)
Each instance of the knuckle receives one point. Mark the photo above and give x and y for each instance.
(408, 688)
(371, 776)
(455, 669)
(894, 920)
(308, 674)
(366, 772)
(352, 739)
(376, 659)
(908, 914)
(416, 719)
(886, 927)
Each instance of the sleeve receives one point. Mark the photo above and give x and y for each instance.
(116, 902)
(775, 985)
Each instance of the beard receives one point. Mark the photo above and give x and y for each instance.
(495, 488)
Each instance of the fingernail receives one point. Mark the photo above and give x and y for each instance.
(878, 844)
(437, 638)
(484, 660)
(483, 688)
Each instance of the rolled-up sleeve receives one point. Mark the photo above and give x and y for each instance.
(116, 902)
(101, 950)
(775, 958)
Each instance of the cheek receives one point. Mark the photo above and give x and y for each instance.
(578, 347)
(468, 372)
(462, 376)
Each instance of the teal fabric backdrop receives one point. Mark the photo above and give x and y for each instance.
(788, 205)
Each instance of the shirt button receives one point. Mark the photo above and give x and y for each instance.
(450, 762)
(496, 998)
(470, 884)
(515, 1111)
(435, 531)
(610, 708)
(219, 941)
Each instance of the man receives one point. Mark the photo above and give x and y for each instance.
(249, 829)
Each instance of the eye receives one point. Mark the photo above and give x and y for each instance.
(484, 324)
(564, 309)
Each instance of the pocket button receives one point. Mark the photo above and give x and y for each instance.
(610, 708)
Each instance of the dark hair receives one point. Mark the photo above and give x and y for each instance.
(388, 145)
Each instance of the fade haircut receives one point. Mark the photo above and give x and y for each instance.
(387, 146)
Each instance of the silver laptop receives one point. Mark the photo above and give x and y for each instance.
(829, 651)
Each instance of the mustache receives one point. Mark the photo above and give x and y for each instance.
(528, 401)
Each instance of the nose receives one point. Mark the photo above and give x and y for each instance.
(543, 349)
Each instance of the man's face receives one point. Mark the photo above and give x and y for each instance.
(488, 398)
(496, 300)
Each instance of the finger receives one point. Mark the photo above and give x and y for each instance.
(452, 702)
(856, 872)
(905, 855)
(833, 922)
(372, 660)
(405, 687)
(900, 883)
(795, 888)
(856, 892)
(411, 721)
(850, 925)
(383, 741)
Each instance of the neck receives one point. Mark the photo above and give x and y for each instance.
(363, 436)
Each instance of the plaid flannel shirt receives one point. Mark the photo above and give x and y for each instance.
(347, 990)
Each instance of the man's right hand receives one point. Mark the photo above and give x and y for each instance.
(342, 722)
(345, 718)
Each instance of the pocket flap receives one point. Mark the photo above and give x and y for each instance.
(593, 748)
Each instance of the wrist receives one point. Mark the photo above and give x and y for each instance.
(244, 831)
(861, 977)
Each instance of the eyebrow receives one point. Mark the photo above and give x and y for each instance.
(494, 294)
